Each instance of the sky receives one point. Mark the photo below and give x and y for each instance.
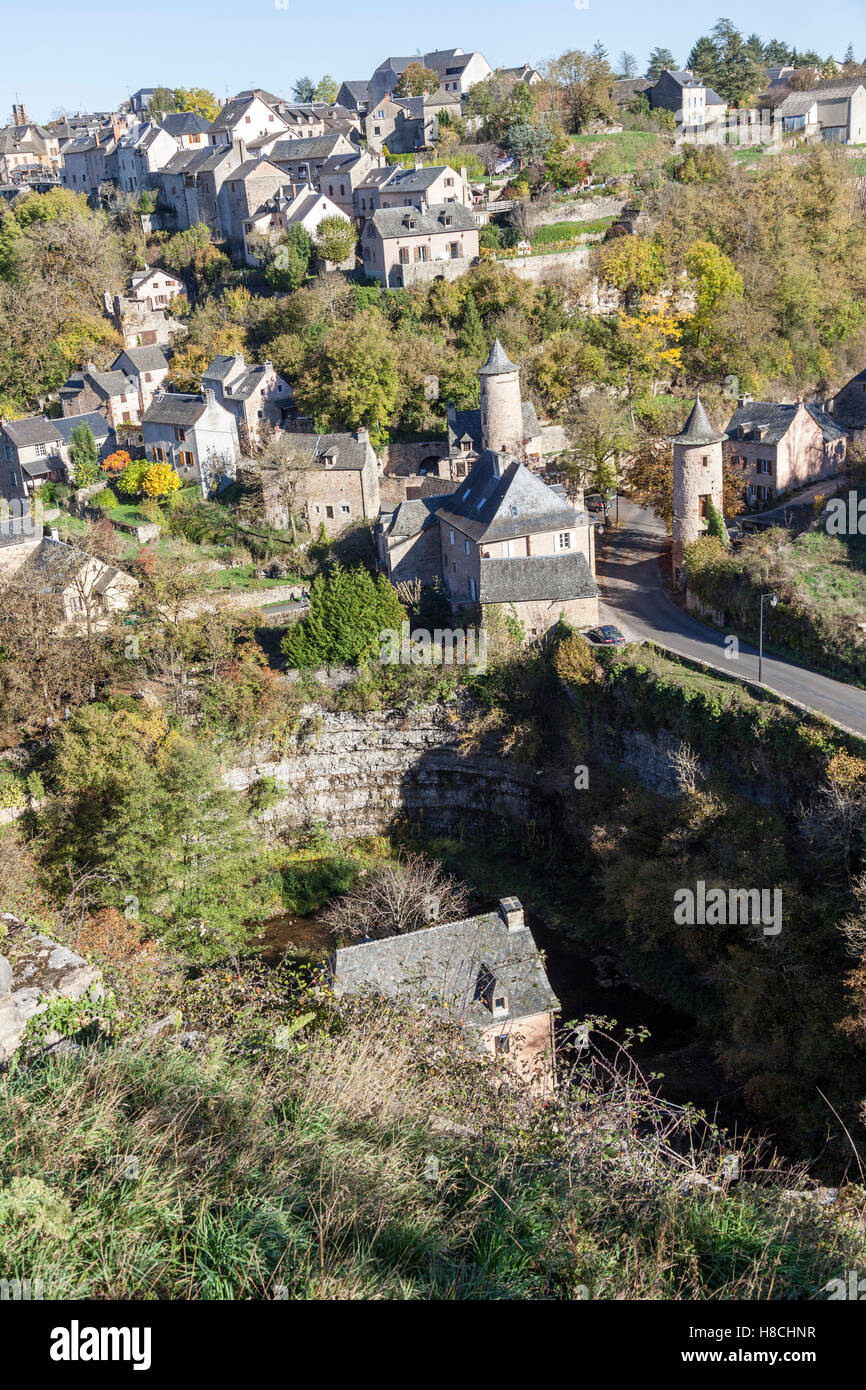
(91, 55)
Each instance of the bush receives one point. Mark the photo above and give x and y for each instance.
(159, 480)
(348, 612)
(104, 500)
(131, 480)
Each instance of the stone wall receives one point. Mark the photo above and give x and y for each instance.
(33, 970)
(536, 267)
(580, 210)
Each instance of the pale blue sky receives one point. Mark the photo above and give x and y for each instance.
(90, 54)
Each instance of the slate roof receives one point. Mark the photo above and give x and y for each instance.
(849, 404)
(491, 505)
(498, 361)
(413, 516)
(35, 429)
(777, 419)
(536, 578)
(113, 383)
(394, 222)
(415, 180)
(231, 112)
(697, 429)
(348, 450)
(468, 422)
(357, 90)
(447, 967)
(185, 123)
(627, 87)
(53, 565)
(316, 147)
(174, 408)
(145, 359)
(797, 104)
(99, 426)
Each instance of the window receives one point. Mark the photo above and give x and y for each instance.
(450, 537)
(247, 119)
(565, 540)
(179, 434)
(466, 547)
(404, 255)
(345, 508)
(454, 250)
(329, 511)
(13, 477)
(377, 130)
(186, 459)
(472, 593)
(449, 183)
(765, 465)
(499, 1002)
(421, 253)
(703, 505)
(158, 454)
(40, 449)
(513, 509)
(195, 139)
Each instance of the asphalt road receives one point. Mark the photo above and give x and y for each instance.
(634, 598)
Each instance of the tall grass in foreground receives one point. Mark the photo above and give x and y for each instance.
(374, 1158)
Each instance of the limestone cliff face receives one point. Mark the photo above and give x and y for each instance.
(361, 773)
(34, 971)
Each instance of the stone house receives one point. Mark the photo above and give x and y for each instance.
(333, 482)
(354, 96)
(195, 434)
(191, 187)
(506, 538)
(458, 71)
(483, 975)
(36, 450)
(404, 124)
(293, 205)
(89, 160)
(245, 191)
(401, 246)
(780, 448)
(301, 160)
(141, 153)
(146, 368)
(833, 110)
(27, 149)
(155, 287)
(86, 589)
(696, 105)
(342, 174)
(111, 393)
(421, 188)
(246, 117)
(254, 395)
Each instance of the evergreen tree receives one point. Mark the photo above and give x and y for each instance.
(84, 455)
(659, 59)
(472, 340)
(348, 612)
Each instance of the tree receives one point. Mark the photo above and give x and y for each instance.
(84, 455)
(704, 60)
(738, 75)
(160, 480)
(599, 433)
(633, 265)
(131, 480)
(197, 99)
(580, 84)
(351, 379)
(117, 462)
(348, 613)
(646, 346)
(407, 894)
(162, 103)
(659, 60)
(528, 143)
(335, 239)
(326, 89)
(415, 80)
(304, 89)
(715, 278)
(627, 65)
(716, 523)
(287, 259)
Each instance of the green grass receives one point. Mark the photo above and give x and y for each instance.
(551, 233)
(631, 145)
(244, 577)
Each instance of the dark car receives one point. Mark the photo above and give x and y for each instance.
(594, 502)
(605, 636)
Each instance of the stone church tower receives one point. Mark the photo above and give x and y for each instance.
(697, 478)
(501, 408)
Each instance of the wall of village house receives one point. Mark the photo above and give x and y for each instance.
(461, 564)
(382, 257)
(800, 457)
(414, 557)
(530, 1048)
(540, 615)
(336, 490)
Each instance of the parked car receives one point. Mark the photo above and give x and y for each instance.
(594, 502)
(605, 636)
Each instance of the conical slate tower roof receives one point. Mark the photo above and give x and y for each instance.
(697, 429)
(498, 361)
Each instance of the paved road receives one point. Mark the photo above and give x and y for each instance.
(634, 598)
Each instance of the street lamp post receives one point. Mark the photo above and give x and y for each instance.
(773, 601)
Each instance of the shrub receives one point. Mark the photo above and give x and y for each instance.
(118, 461)
(104, 500)
(131, 480)
(160, 480)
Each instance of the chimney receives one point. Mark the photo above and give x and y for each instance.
(417, 163)
(362, 435)
(743, 400)
(511, 912)
(55, 534)
(208, 396)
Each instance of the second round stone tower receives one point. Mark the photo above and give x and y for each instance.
(698, 476)
(501, 408)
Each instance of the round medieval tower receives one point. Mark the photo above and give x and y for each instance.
(697, 479)
(501, 408)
